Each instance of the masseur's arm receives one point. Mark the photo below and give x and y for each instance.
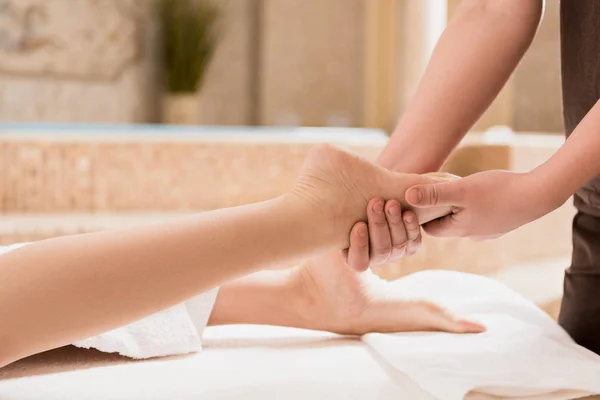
(491, 203)
(473, 59)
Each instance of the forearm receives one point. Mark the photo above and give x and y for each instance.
(576, 162)
(472, 61)
(61, 290)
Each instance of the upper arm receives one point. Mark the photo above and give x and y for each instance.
(529, 12)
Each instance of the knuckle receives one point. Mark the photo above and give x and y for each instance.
(400, 246)
(379, 223)
(362, 245)
(380, 257)
(394, 219)
(414, 234)
(434, 195)
(382, 252)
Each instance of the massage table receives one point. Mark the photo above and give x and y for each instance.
(237, 362)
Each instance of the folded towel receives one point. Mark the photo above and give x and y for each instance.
(523, 354)
(176, 330)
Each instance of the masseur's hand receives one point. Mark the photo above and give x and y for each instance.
(485, 205)
(389, 235)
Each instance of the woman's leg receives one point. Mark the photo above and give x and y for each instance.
(61, 290)
(324, 294)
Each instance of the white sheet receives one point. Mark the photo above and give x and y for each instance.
(237, 362)
(524, 353)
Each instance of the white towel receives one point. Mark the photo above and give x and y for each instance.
(177, 330)
(524, 353)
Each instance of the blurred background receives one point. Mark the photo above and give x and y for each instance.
(343, 63)
(121, 112)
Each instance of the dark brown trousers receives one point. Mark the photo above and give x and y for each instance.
(580, 48)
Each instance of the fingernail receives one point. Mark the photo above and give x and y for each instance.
(378, 207)
(415, 195)
(408, 219)
(394, 211)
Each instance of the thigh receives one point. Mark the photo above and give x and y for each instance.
(580, 308)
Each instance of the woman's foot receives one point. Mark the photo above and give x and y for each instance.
(334, 298)
(340, 184)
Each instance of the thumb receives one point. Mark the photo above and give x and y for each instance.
(435, 194)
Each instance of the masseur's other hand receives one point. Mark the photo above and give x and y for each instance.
(389, 235)
(485, 205)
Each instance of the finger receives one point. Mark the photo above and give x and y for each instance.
(380, 241)
(413, 231)
(436, 194)
(358, 252)
(446, 226)
(398, 234)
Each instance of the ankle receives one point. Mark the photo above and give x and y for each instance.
(328, 227)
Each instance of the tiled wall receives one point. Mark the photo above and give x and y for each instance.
(134, 173)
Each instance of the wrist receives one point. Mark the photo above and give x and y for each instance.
(406, 153)
(547, 193)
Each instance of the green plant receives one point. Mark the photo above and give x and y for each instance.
(190, 36)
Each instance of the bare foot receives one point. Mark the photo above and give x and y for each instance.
(340, 184)
(337, 299)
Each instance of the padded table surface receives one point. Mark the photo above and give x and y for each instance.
(238, 362)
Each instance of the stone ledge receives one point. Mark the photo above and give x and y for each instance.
(103, 176)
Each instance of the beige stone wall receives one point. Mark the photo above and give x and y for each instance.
(310, 65)
(53, 73)
(537, 83)
(77, 82)
(311, 62)
(227, 97)
(305, 68)
(531, 101)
